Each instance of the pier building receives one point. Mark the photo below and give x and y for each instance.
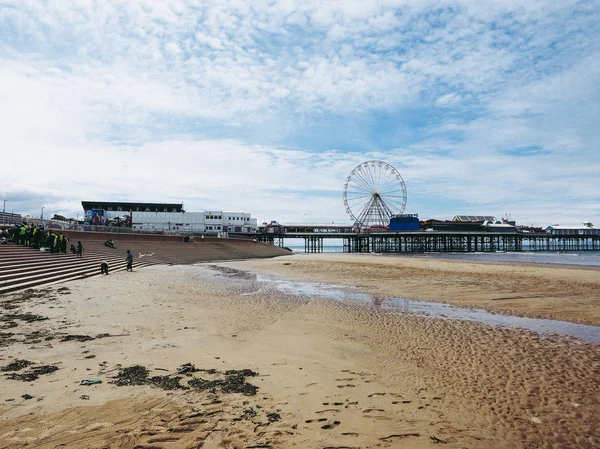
(586, 229)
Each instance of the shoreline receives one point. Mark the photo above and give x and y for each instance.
(499, 262)
(560, 293)
(329, 373)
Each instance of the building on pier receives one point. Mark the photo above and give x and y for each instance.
(474, 218)
(586, 229)
(451, 225)
(471, 223)
(404, 222)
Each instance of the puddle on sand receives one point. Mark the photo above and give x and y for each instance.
(582, 332)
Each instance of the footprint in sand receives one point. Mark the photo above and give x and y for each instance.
(346, 386)
(331, 426)
(308, 421)
(163, 439)
(328, 410)
(399, 436)
(345, 379)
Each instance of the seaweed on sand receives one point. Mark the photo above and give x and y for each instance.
(187, 368)
(17, 365)
(132, 375)
(27, 317)
(234, 382)
(34, 374)
(168, 383)
(80, 338)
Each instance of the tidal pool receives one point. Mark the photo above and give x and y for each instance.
(582, 332)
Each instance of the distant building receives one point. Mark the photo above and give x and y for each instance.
(451, 225)
(165, 217)
(498, 226)
(406, 222)
(586, 229)
(474, 218)
(488, 223)
(9, 218)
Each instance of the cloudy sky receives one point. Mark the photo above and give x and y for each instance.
(484, 107)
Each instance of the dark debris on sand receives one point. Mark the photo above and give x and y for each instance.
(24, 296)
(27, 317)
(234, 381)
(233, 272)
(133, 375)
(187, 368)
(33, 374)
(83, 338)
(17, 365)
(273, 417)
(168, 383)
(80, 338)
(6, 338)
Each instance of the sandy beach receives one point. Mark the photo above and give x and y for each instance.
(329, 373)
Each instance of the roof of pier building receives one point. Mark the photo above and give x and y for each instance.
(474, 218)
(133, 206)
(586, 228)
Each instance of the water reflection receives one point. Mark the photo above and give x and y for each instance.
(436, 310)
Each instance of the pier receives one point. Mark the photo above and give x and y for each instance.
(435, 241)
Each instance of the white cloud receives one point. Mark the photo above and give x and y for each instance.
(109, 97)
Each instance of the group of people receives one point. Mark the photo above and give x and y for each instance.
(37, 237)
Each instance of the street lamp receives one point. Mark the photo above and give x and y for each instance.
(42, 217)
(4, 208)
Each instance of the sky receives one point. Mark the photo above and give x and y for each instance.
(483, 107)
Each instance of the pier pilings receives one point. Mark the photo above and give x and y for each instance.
(439, 242)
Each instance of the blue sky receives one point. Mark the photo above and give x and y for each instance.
(266, 107)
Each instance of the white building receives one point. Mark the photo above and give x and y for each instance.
(162, 217)
(587, 229)
(207, 221)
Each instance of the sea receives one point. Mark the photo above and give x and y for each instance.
(583, 259)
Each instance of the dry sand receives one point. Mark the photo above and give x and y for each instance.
(332, 374)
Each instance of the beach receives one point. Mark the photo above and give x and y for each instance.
(329, 373)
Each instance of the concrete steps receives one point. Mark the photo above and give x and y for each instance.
(22, 267)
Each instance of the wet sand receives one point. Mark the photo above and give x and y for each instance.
(330, 374)
(552, 292)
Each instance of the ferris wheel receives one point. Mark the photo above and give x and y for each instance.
(374, 191)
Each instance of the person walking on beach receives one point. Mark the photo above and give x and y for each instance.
(79, 249)
(129, 261)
